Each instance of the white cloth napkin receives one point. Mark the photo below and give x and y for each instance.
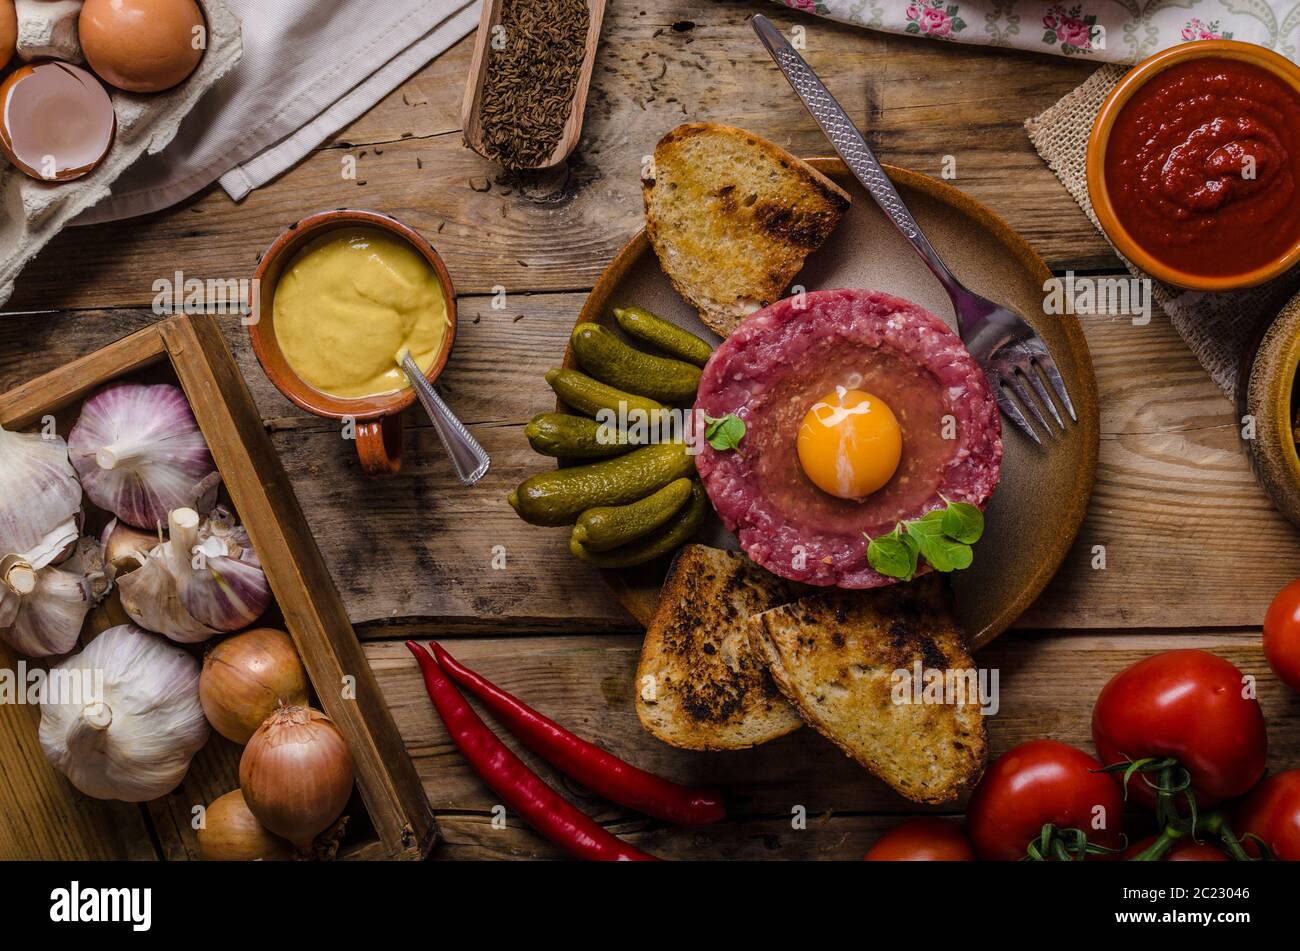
(310, 67)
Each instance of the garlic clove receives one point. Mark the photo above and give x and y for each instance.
(87, 561)
(140, 453)
(151, 598)
(126, 720)
(40, 498)
(226, 594)
(125, 548)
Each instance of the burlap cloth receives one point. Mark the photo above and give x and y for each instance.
(1217, 327)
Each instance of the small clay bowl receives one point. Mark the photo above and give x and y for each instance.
(1270, 399)
(378, 418)
(1134, 80)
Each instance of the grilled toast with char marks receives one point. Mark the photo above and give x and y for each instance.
(699, 685)
(732, 218)
(834, 655)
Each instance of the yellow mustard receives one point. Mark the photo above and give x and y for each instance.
(349, 302)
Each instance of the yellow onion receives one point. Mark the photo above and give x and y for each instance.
(297, 774)
(231, 833)
(246, 677)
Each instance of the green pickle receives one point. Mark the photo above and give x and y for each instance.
(560, 496)
(574, 437)
(590, 397)
(607, 358)
(675, 533)
(668, 337)
(608, 527)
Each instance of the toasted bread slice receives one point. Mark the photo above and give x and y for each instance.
(732, 217)
(834, 655)
(699, 686)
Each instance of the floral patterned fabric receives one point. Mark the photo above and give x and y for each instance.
(1114, 31)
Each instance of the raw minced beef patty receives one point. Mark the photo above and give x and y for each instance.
(778, 363)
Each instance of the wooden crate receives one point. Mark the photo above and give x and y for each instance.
(41, 815)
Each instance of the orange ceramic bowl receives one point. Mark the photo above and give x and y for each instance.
(1135, 79)
(378, 418)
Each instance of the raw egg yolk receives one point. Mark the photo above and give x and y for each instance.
(850, 443)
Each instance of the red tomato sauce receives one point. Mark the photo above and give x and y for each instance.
(1203, 165)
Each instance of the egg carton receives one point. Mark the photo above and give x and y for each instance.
(47, 29)
(35, 211)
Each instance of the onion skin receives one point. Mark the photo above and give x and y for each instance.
(231, 833)
(297, 774)
(246, 678)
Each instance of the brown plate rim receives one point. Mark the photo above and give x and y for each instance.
(1086, 401)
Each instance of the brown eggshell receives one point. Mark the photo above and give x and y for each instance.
(141, 45)
(8, 32)
(56, 120)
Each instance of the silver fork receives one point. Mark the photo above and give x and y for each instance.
(1014, 358)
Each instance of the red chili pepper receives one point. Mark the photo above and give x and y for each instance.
(599, 770)
(518, 786)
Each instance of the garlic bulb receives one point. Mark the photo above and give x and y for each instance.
(126, 727)
(204, 580)
(40, 499)
(140, 454)
(42, 610)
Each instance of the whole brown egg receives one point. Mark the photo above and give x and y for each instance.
(142, 45)
(8, 32)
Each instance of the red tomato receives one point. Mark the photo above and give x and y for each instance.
(1272, 812)
(1037, 783)
(1282, 635)
(1184, 850)
(926, 839)
(1185, 704)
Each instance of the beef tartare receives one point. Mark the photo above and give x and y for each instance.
(801, 490)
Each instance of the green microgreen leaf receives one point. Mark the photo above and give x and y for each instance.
(942, 537)
(724, 433)
(894, 555)
(963, 522)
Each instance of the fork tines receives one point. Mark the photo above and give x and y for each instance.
(1022, 374)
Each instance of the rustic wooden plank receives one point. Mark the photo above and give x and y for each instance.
(555, 230)
(1046, 688)
(1172, 483)
(65, 384)
(827, 837)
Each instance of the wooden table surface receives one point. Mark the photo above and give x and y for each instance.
(1193, 549)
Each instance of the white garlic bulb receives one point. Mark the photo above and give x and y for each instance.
(42, 610)
(123, 719)
(140, 454)
(40, 498)
(205, 579)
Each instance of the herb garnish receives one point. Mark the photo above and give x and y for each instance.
(725, 432)
(942, 537)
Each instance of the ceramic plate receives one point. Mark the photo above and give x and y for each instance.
(1038, 506)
